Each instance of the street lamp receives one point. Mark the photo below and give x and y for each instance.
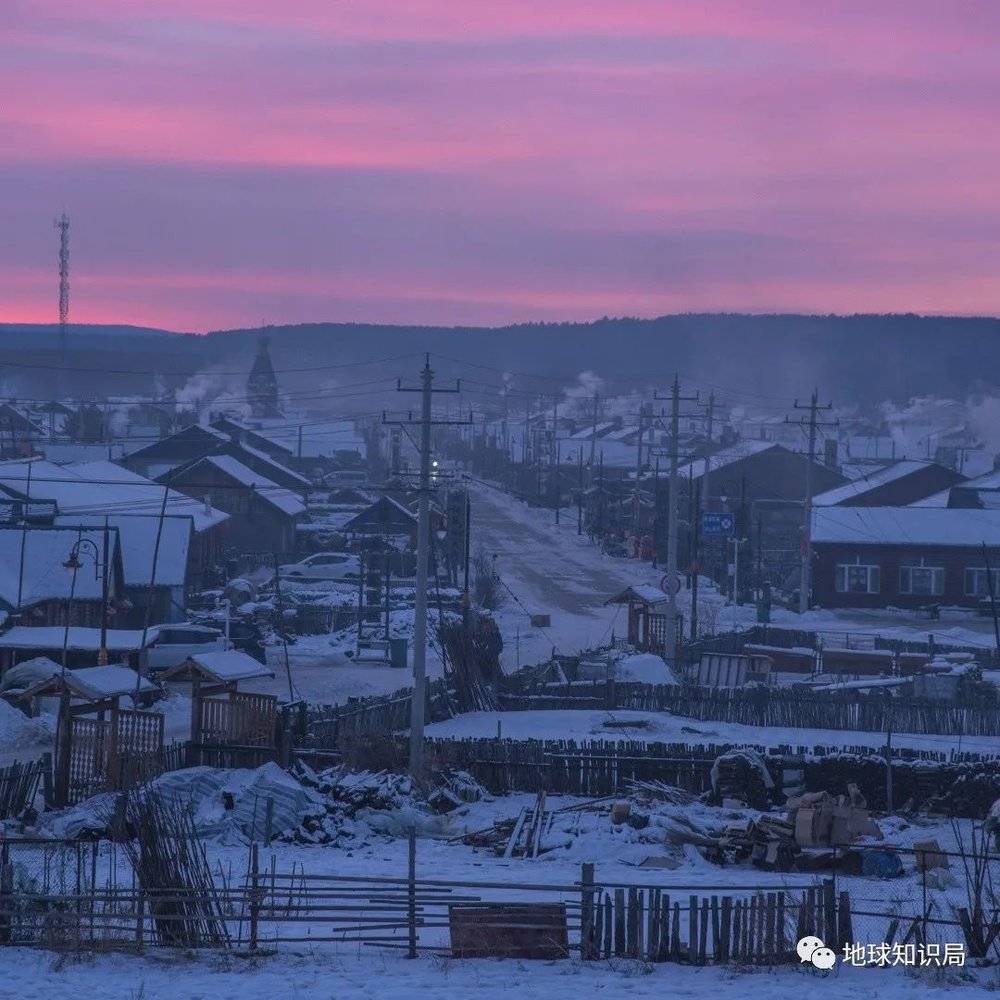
(74, 563)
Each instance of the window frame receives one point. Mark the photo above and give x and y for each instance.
(842, 576)
(937, 572)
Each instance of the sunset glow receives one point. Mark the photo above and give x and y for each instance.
(487, 162)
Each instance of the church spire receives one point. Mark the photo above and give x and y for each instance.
(262, 384)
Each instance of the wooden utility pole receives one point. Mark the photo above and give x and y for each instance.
(811, 424)
(695, 555)
(425, 423)
(709, 417)
(593, 437)
(675, 421)
(993, 598)
(638, 468)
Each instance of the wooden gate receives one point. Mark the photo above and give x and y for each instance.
(85, 764)
(110, 755)
(137, 755)
(241, 720)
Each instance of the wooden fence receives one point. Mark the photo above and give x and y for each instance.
(326, 726)
(768, 707)
(266, 907)
(18, 786)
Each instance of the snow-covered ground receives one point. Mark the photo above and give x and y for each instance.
(575, 724)
(550, 569)
(29, 975)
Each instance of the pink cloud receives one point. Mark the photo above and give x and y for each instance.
(425, 160)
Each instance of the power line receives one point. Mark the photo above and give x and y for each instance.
(202, 370)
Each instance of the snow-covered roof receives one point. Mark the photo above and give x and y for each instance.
(80, 639)
(63, 453)
(867, 483)
(44, 576)
(364, 517)
(97, 683)
(987, 481)
(222, 666)
(727, 456)
(624, 432)
(906, 526)
(27, 673)
(277, 496)
(640, 592)
(586, 433)
(101, 488)
(273, 463)
(137, 537)
(318, 437)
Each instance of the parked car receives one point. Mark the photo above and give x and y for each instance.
(175, 643)
(323, 566)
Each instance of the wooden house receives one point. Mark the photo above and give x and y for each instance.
(263, 514)
(909, 557)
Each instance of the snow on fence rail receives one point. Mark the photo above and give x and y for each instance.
(768, 707)
(965, 785)
(266, 907)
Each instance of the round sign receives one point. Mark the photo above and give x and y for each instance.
(669, 586)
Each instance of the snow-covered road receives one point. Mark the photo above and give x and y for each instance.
(550, 569)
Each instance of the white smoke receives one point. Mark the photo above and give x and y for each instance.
(216, 387)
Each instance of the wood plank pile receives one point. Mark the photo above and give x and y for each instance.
(768, 842)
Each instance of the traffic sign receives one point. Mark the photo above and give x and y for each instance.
(670, 586)
(717, 524)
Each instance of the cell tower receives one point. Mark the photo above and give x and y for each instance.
(62, 224)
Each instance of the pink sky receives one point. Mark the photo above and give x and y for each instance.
(228, 162)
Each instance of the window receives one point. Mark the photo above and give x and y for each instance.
(855, 578)
(976, 583)
(921, 580)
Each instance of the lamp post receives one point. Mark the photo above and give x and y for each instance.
(73, 563)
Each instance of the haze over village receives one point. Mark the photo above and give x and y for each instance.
(499, 498)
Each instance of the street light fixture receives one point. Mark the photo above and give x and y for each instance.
(73, 563)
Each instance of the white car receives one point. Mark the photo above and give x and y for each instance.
(175, 643)
(323, 566)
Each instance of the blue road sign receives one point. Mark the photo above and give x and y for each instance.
(717, 524)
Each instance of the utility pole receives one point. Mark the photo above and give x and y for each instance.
(812, 423)
(993, 597)
(675, 420)
(638, 468)
(593, 438)
(62, 224)
(505, 428)
(425, 423)
(709, 417)
(695, 552)
(579, 492)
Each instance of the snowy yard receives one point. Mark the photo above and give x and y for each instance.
(27, 975)
(576, 724)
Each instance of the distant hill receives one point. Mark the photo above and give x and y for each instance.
(854, 358)
(46, 330)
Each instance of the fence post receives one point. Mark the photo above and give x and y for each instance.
(47, 792)
(830, 915)
(411, 894)
(6, 896)
(587, 911)
(139, 908)
(268, 821)
(254, 899)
